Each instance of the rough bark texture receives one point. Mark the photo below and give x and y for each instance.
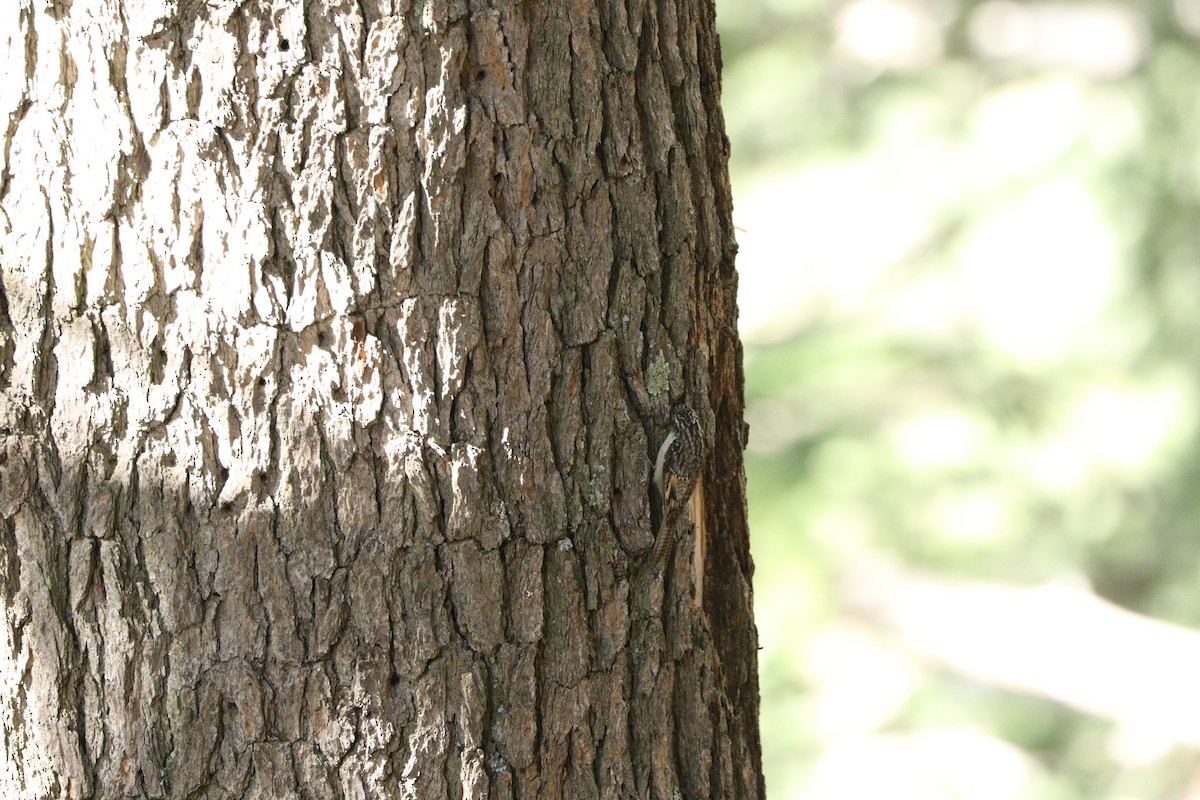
(336, 340)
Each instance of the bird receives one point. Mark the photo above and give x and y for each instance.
(675, 473)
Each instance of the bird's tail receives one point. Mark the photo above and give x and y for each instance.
(662, 546)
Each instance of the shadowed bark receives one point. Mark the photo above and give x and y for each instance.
(336, 342)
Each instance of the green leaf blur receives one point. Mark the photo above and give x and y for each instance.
(970, 274)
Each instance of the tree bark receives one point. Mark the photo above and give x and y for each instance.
(336, 342)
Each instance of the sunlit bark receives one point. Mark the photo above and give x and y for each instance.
(335, 342)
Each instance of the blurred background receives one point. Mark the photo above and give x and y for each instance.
(970, 297)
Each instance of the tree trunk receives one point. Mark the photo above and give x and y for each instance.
(337, 340)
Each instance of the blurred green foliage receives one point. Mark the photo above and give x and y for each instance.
(970, 270)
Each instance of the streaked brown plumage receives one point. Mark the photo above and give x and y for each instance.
(675, 472)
